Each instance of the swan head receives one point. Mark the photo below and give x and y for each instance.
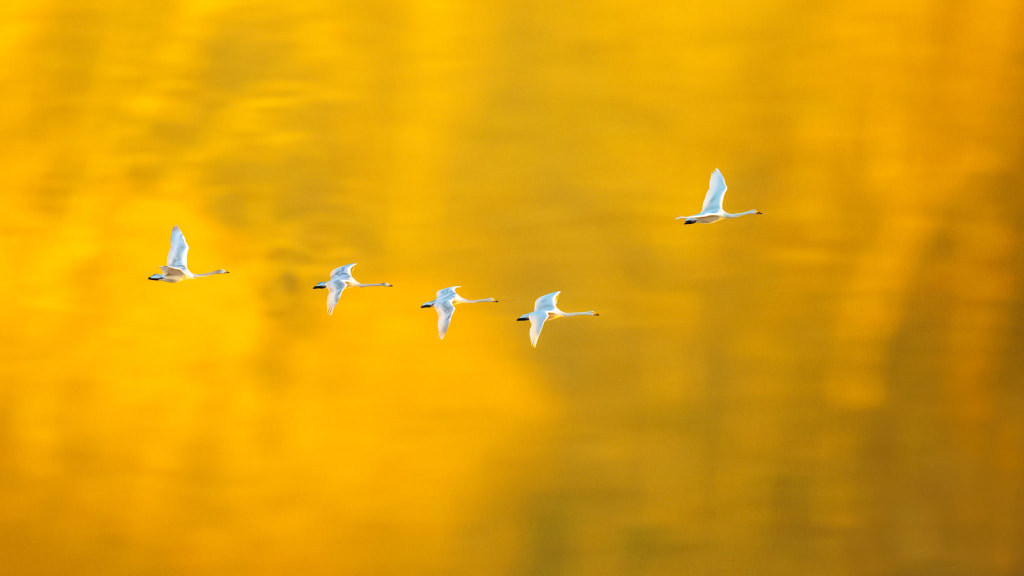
(389, 285)
(758, 212)
(221, 271)
(428, 304)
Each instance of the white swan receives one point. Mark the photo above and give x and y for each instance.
(445, 306)
(546, 308)
(341, 278)
(712, 210)
(177, 261)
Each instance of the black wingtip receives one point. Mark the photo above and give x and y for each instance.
(689, 222)
(521, 319)
(318, 287)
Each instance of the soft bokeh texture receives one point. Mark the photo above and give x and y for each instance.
(831, 388)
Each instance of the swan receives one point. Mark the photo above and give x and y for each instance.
(341, 278)
(177, 266)
(445, 306)
(712, 210)
(546, 308)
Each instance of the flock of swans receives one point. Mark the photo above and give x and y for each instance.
(544, 309)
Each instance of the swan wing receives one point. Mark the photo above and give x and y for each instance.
(172, 272)
(445, 309)
(178, 254)
(447, 293)
(343, 271)
(716, 192)
(334, 290)
(546, 302)
(536, 325)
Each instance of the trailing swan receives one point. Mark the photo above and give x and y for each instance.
(177, 261)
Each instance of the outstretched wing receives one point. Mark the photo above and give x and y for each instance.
(344, 271)
(334, 290)
(447, 293)
(178, 254)
(716, 192)
(536, 325)
(546, 302)
(445, 309)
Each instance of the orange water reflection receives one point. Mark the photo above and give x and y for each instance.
(830, 388)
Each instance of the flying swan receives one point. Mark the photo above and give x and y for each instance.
(445, 303)
(712, 211)
(177, 261)
(341, 278)
(546, 308)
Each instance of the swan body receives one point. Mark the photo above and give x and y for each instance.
(546, 308)
(341, 278)
(445, 303)
(176, 269)
(712, 210)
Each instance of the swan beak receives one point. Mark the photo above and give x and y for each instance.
(758, 212)
(596, 314)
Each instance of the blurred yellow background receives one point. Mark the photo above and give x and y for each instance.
(831, 388)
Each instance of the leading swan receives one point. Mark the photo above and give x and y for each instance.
(712, 210)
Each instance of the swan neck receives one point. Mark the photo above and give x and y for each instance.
(737, 215)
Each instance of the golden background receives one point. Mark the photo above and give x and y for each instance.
(831, 388)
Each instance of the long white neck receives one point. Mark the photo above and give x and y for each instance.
(737, 215)
(464, 301)
(222, 271)
(589, 313)
(361, 285)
